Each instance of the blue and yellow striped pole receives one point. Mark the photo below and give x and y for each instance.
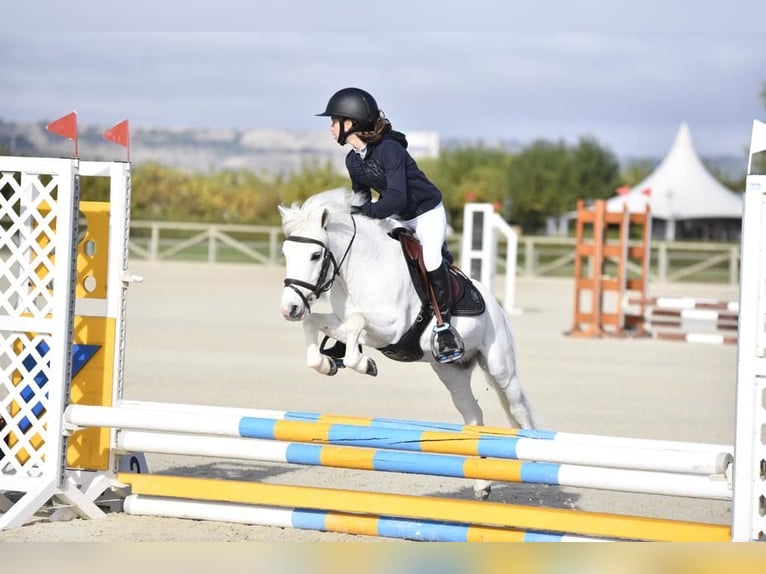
(472, 512)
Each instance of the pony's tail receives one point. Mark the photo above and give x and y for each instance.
(503, 373)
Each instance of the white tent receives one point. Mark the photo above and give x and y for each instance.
(681, 190)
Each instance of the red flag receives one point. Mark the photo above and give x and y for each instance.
(623, 190)
(66, 126)
(119, 134)
(647, 191)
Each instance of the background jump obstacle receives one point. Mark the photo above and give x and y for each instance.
(612, 286)
(481, 228)
(607, 268)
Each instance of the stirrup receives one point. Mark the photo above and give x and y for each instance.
(449, 357)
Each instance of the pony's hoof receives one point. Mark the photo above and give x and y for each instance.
(333, 369)
(372, 368)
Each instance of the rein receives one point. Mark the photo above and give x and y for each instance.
(323, 283)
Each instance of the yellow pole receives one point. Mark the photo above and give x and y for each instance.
(428, 508)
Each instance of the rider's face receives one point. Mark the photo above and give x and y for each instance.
(335, 126)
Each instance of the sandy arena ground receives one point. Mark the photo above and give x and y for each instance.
(213, 335)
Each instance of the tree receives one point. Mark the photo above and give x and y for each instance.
(548, 178)
(312, 178)
(473, 173)
(637, 171)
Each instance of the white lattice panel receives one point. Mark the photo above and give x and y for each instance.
(38, 225)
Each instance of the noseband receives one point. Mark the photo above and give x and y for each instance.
(323, 283)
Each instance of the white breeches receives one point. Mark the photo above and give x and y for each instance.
(431, 230)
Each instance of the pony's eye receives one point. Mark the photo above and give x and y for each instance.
(316, 256)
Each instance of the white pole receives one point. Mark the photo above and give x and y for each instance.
(286, 517)
(579, 438)
(615, 455)
(203, 510)
(511, 255)
(615, 479)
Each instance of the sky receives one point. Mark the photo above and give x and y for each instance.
(627, 76)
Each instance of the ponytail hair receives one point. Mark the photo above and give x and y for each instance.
(381, 128)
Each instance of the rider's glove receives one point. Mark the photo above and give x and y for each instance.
(363, 209)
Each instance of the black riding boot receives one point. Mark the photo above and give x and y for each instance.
(446, 344)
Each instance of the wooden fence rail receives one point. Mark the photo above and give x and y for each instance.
(538, 256)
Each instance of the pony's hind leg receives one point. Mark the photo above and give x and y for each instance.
(456, 377)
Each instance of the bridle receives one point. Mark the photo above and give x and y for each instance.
(323, 282)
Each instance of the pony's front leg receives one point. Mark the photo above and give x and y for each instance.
(312, 325)
(354, 359)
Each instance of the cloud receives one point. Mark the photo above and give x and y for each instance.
(629, 89)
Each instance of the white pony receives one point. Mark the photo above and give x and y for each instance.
(374, 303)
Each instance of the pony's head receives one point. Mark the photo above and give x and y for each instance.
(310, 265)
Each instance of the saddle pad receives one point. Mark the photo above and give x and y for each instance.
(467, 299)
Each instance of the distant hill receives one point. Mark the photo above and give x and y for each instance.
(261, 151)
(268, 151)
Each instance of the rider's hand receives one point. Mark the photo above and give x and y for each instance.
(363, 209)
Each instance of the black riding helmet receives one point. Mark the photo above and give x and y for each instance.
(355, 104)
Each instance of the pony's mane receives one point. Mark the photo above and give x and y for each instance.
(334, 201)
(337, 202)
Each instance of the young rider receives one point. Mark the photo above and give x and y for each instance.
(379, 161)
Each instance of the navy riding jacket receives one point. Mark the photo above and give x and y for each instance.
(388, 168)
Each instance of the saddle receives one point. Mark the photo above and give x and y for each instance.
(466, 299)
